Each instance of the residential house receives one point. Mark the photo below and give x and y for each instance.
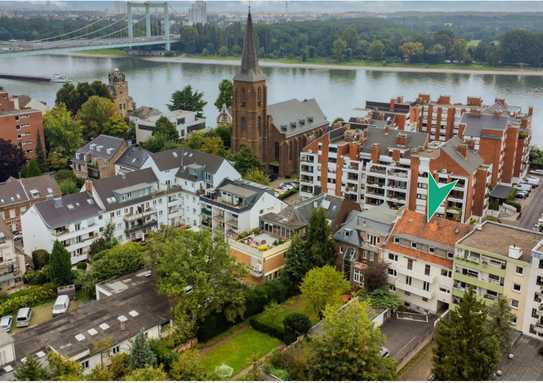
(420, 257)
(18, 195)
(360, 239)
(97, 158)
(131, 160)
(12, 262)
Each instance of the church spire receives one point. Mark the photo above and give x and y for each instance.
(250, 70)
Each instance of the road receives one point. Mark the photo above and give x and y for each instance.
(532, 210)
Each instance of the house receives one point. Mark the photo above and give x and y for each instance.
(131, 160)
(18, 195)
(97, 158)
(236, 206)
(420, 260)
(145, 118)
(360, 239)
(12, 262)
(370, 166)
(134, 305)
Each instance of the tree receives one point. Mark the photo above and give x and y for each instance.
(63, 134)
(141, 355)
(57, 160)
(382, 298)
(376, 50)
(320, 243)
(500, 318)
(31, 169)
(322, 287)
(196, 271)
(224, 131)
(119, 260)
(40, 258)
(61, 368)
(187, 99)
(116, 127)
(466, 349)
(244, 160)
(119, 365)
(31, 369)
(40, 155)
(68, 187)
(12, 160)
(226, 90)
(73, 97)
(349, 347)
(96, 115)
(146, 374)
(188, 367)
(257, 175)
(165, 127)
(100, 373)
(205, 142)
(297, 262)
(339, 48)
(60, 265)
(412, 51)
(375, 276)
(105, 242)
(295, 325)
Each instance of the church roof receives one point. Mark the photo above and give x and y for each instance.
(250, 70)
(293, 117)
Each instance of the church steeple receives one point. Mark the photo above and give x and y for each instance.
(250, 70)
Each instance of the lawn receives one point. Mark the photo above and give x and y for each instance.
(41, 314)
(238, 348)
(111, 52)
(275, 314)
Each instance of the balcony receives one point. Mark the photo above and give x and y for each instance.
(145, 225)
(400, 284)
(485, 284)
(139, 214)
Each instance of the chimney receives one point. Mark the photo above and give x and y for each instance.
(461, 130)
(444, 100)
(399, 99)
(392, 104)
(463, 150)
(474, 101)
(386, 130)
(471, 144)
(424, 98)
(88, 186)
(396, 154)
(375, 152)
(401, 139)
(530, 110)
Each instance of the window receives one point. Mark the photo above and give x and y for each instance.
(409, 264)
(427, 269)
(392, 272)
(516, 287)
(424, 299)
(396, 240)
(514, 320)
(414, 245)
(446, 273)
(408, 280)
(372, 239)
(426, 286)
(85, 364)
(520, 270)
(393, 257)
(358, 276)
(431, 250)
(116, 349)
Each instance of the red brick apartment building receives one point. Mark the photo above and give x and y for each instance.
(20, 126)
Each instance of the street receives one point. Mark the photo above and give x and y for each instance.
(531, 211)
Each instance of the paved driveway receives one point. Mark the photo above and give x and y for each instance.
(526, 363)
(402, 335)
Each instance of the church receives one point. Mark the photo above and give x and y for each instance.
(275, 133)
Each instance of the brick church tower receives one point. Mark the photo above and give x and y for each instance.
(250, 99)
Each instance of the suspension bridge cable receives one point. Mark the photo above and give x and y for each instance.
(67, 33)
(97, 30)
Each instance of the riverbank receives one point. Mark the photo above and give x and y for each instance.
(104, 53)
(410, 68)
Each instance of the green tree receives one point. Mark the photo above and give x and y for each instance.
(116, 127)
(63, 134)
(119, 365)
(376, 50)
(295, 325)
(120, 259)
(323, 286)
(95, 115)
(60, 265)
(244, 160)
(12, 160)
(465, 347)
(141, 354)
(31, 369)
(257, 175)
(349, 347)
(188, 367)
(187, 99)
(147, 374)
(500, 318)
(297, 262)
(339, 48)
(195, 270)
(320, 242)
(75, 96)
(40, 155)
(105, 242)
(40, 258)
(31, 169)
(165, 127)
(375, 276)
(413, 51)
(100, 373)
(61, 368)
(224, 131)
(68, 186)
(226, 90)
(57, 160)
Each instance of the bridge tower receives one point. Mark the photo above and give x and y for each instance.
(148, 5)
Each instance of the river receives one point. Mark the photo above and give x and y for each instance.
(340, 92)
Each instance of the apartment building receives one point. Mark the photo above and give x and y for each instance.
(97, 158)
(498, 260)
(451, 161)
(370, 166)
(12, 263)
(440, 118)
(420, 257)
(397, 113)
(360, 239)
(236, 206)
(18, 195)
(21, 125)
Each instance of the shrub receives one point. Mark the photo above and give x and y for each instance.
(212, 326)
(40, 258)
(82, 266)
(31, 296)
(259, 296)
(270, 321)
(164, 354)
(36, 277)
(295, 325)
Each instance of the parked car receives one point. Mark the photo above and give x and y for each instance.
(521, 194)
(385, 353)
(534, 181)
(61, 305)
(538, 172)
(523, 187)
(23, 317)
(5, 323)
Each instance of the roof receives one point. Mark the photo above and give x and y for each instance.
(175, 158)
(71, 208)
(250, 70)
(106, 187)
(14, 191)
(75, 332)
(376, 219)
(470, 162)
(134, 157)
(496, 238)
(387, 138)
(526, 363)
(476, 122)
(293, 117)
(439, 230)
(501, 191)
(250, 193)
(145, 112)
(98, 148)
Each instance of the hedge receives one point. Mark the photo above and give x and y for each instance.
(261, 325)
(39, 277)
(31, 296)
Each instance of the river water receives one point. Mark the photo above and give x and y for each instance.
(339, 92)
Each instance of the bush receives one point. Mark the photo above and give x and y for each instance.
(82, 266)
(260, 296)
(36, 277)
(295, 325)
(270, 321)
(212, 326)
(164, 354)
(40, 258)
(31, 296)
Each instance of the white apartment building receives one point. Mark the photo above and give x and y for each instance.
(236, 207)
(12, 263)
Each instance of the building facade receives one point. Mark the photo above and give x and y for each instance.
(97, 158)
(12, 263)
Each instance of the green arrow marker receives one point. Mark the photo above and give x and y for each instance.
(436, 195)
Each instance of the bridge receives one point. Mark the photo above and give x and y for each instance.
(102, 34)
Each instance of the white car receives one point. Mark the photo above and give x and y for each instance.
(538, 172)
(534, 181)
(523, 187)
